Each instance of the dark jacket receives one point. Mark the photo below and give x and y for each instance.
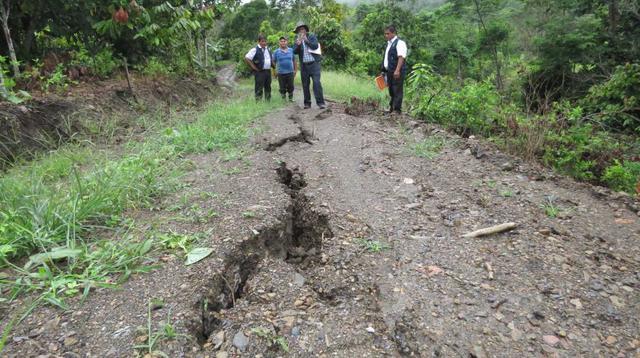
(393, 59)
(312, 42)
(258, 58)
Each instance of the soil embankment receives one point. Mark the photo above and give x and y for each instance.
(90, 110)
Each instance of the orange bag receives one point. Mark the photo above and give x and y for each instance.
(381, 83)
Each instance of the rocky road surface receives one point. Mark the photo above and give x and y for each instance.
(342, 235)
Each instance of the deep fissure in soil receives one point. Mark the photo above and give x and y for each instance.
(303, 136)
(296, 238)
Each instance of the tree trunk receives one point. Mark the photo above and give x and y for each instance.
(206, 52)
(4, 18)
(3, 89)
(494, 48)
(29, 37)
(614, 16)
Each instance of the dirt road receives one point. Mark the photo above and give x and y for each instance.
(341, 235)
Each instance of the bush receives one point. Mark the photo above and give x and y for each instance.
(622, 176)
(154, 68)
(616, 102)
(581, 151)
(469, 109)
(364, 62)
(104, 63)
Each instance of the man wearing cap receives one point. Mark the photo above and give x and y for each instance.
(286, 67)
(395, 67)
(307, 48)
(259, 59)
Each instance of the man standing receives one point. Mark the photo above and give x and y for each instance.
(286, 68)
(395, 67)
(308, 51)
(259, 59)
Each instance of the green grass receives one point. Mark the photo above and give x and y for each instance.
(429, 148)
(373, 246)
(341, 87)
(550, 208)
(51, 209)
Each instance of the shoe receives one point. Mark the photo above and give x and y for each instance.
(307, 106)
(322, 106)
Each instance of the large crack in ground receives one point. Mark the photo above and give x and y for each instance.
(303, 136)
(295, 238)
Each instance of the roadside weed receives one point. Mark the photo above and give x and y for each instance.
(248, 215)
(373, 246)
(429, 148)
(272, 338)
(550, 208)
(167, 330)
(174, 241)
(506, 193)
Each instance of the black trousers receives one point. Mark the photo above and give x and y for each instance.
(396, 91)
(263, 84)
(286, 84)
(308, 72)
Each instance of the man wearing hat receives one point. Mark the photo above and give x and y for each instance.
(308, 50)
(286, 67)
(259, 59)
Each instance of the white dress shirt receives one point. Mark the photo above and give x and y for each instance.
(267, 57)
(401, 48)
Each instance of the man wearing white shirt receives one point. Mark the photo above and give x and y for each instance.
(395, 67)
(259, 59)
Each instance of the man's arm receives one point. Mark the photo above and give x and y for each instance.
(396, 73)
(402, 55)
(295, 66)
(251, 64)
(248, 58)
(312, 41)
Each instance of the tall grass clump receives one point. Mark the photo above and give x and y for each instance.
(342, 87)
(221, 127)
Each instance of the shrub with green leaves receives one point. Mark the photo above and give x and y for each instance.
(469, 109)
(616, 102)
(580, 151)
(622, 176)
(155, 67)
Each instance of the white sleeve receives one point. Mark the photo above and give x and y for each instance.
(402, 49)
(251, 54)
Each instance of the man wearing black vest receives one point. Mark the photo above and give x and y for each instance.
(308, 50)
(259, 59)
(395, 67)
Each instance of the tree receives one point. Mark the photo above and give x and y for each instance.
(493, 35)
(5, 8)
(245, 23)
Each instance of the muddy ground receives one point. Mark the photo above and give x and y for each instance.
(333, 238)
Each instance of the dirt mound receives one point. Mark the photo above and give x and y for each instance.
(32, 127)
(359, 107)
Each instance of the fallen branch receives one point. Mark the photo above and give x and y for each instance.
(491, 230)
